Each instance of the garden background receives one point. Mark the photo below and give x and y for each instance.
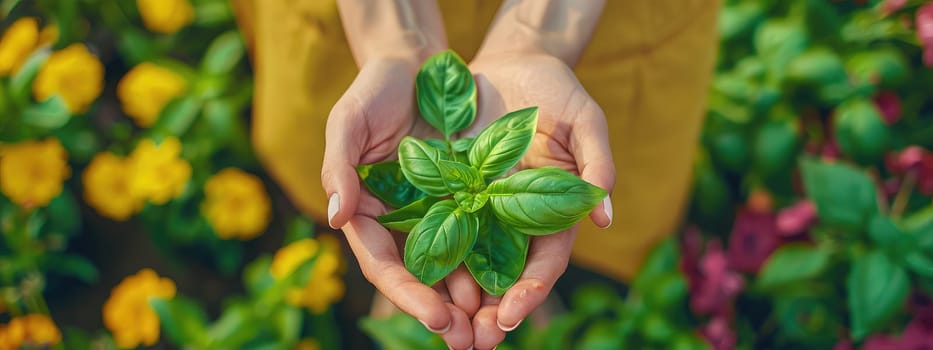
(135, 214)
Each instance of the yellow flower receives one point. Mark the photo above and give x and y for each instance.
(308, 344)
(236, 204)
(165, 16)
(159, 172)
(32, 172)
(324, 287)
(17, 43)
(146, 89)
(32, 330)
(72, 73)
(127, 313)
(49, 35)
(107, 187)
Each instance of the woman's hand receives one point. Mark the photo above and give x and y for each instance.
(571, 134)
(365, 127)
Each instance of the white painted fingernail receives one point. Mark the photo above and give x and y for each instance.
(607, 207)
(508, 329)
(333, 205)
(437, 331)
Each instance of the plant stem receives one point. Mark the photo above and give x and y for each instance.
(903, 194)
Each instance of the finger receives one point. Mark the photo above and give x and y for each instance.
(460, 335)
(463, 290)
(547, 260)
(486, 331)
(593, 154)
(377, 254)
(343, 147)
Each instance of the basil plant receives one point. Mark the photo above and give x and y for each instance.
(451, 195)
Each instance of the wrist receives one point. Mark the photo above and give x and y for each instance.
(410, 47)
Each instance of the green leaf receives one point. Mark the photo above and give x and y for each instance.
(21, 81)
(446, 93)
(460, 177)
(471, 202)
(401, 332)
(887, 235)
(498, 258)
(877, 290)
(235, 327)
(223, 53)
(543, 201)
(64, 213)
(405, 218)
(776, 146)
(860, 130)
(440, 242)
(182, 319)
(503, 142)
(287, 321)
(778, 41)
(818, 66)
(419, 163)
(463, 145)
(177, 116)
(664, 258)
(844, 196)
(920, 224)
(878, 66)
(72, 265)
(387, 182)
(920, 264)
(49, 114)
(793, 263)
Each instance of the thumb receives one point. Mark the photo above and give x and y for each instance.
(591, 150)
(344, 140)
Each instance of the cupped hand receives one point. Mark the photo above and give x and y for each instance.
(365, 127)
(572, 134)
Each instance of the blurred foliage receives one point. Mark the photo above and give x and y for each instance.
(139, 109)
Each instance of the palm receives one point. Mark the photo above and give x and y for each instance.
(572, 135)
(511, 83)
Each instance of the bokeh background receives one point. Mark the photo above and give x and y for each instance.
(134, 213)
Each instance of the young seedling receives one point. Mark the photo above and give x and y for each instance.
(450, 194)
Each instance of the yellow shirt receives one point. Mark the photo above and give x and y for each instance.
(648, 67)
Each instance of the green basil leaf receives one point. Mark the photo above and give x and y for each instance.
(460, 177)
(439, 144)
(503, 142)
(498, 258)
(543, 201)
(793, 263)
(421, 165)
(463, 145)
(405, 218)
(471, 202)
(386, 181)
(440, 242)
(844, 196)
(877, 289)
(446, 93)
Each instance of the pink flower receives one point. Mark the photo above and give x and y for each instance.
(843, 344)
(714, 288)
(891, 6)
(890, 106)
(881, 342)
(830, 150)
(907, 159)
(796, 219)
(754, 236)
(925, 25)
(719, 334)
(918, 335)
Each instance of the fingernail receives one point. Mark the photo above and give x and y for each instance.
(333, 205)
(607, 207)
(508, 329)
(436, 331)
